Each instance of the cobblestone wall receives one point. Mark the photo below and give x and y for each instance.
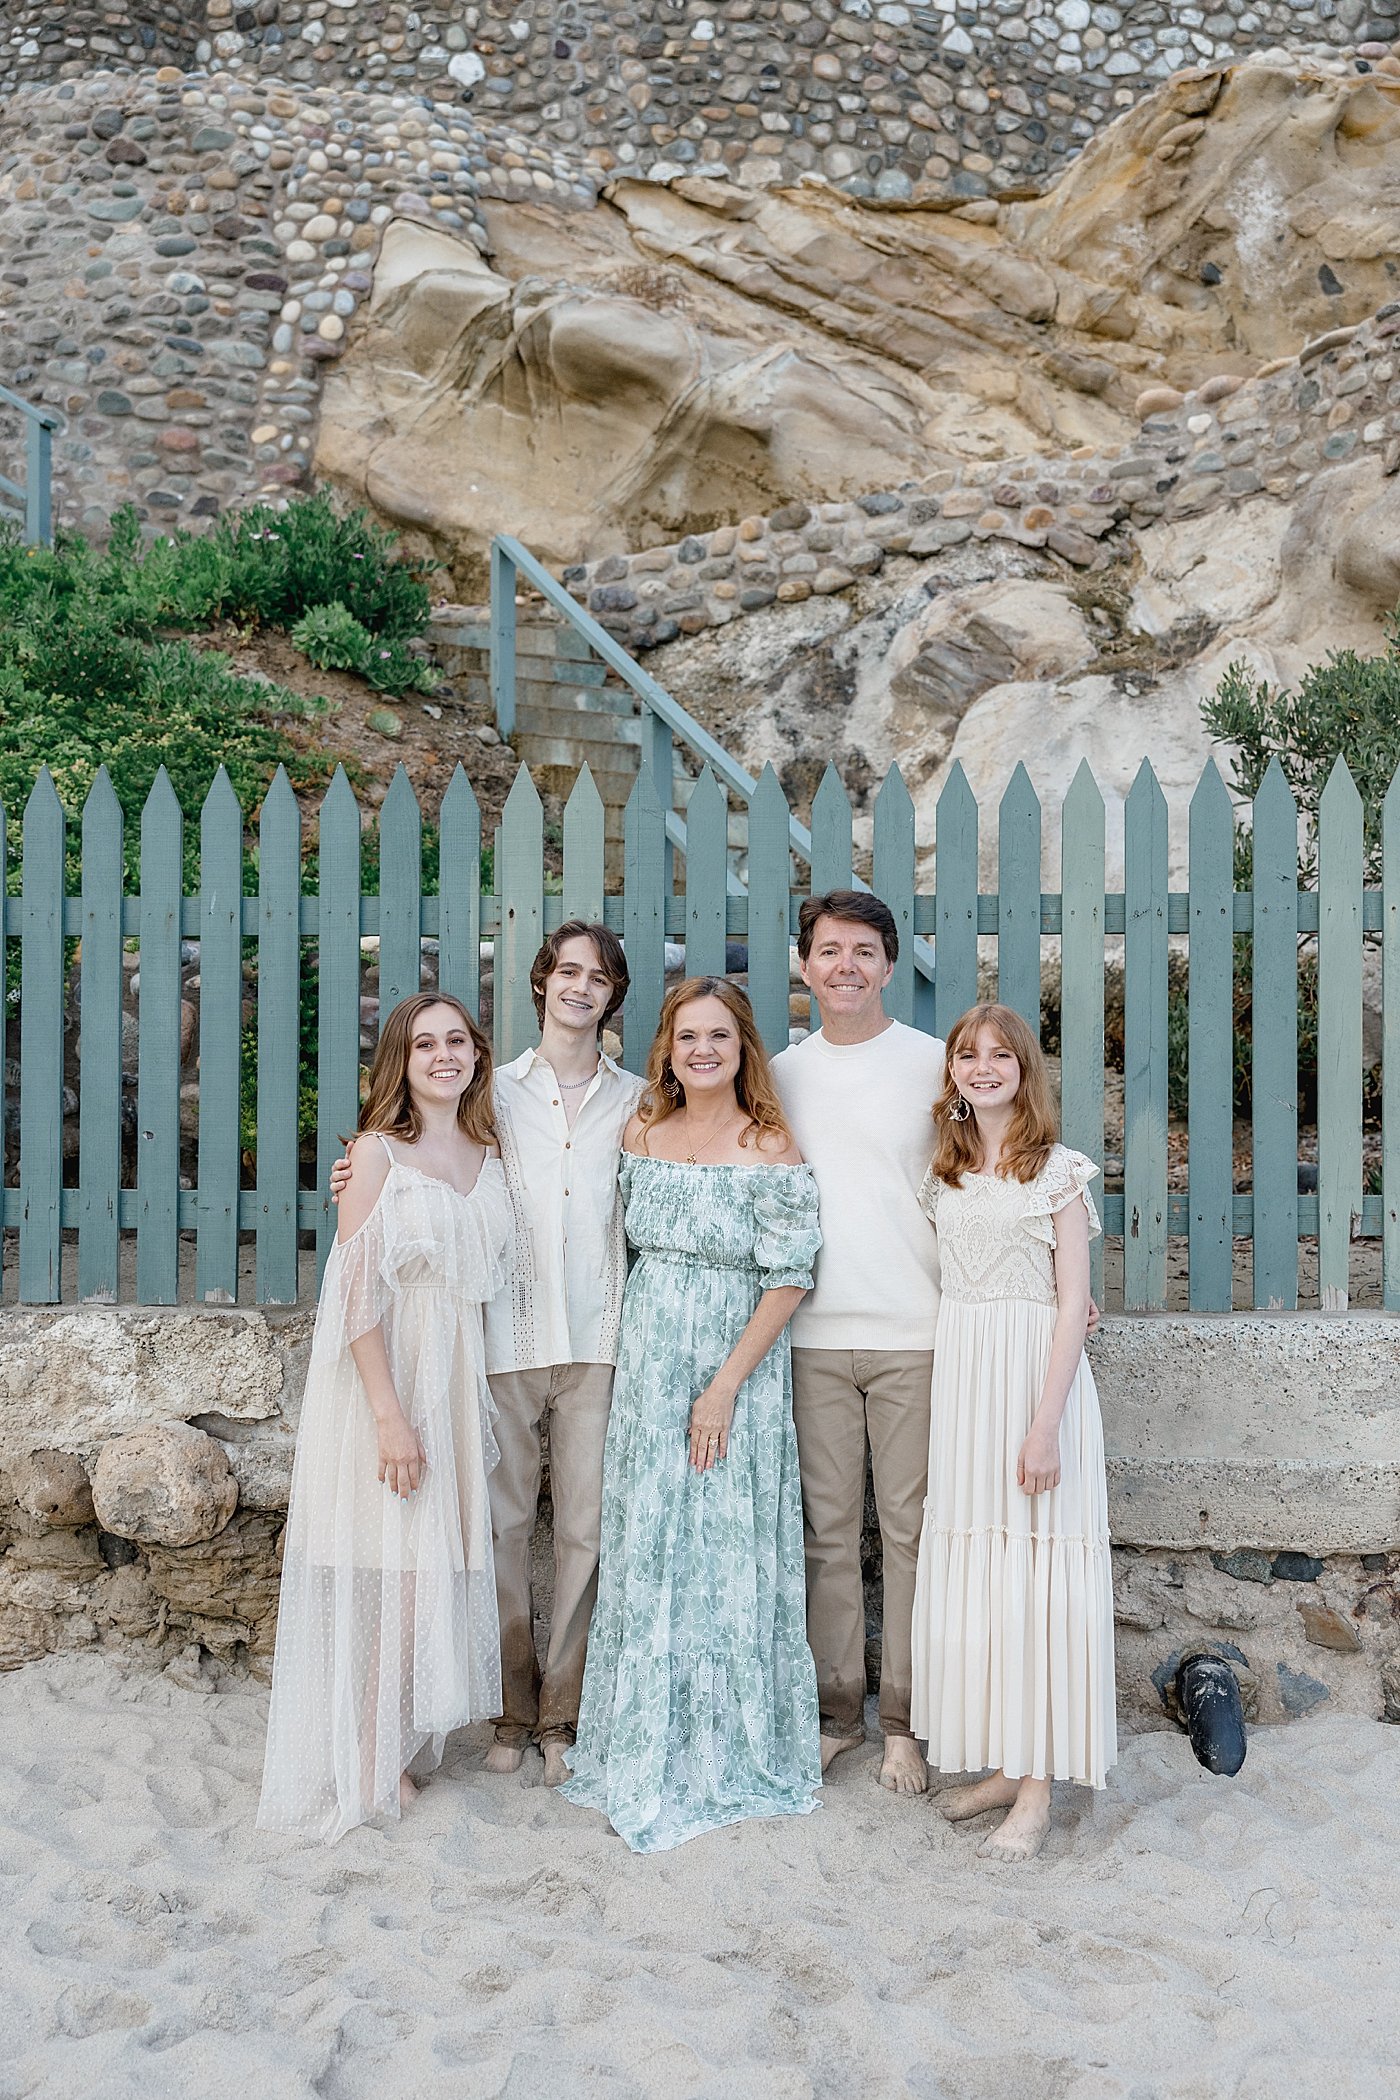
(1227, 441)
(888, 98)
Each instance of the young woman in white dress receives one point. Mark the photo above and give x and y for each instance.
(1013, 1609)
(387, 1636)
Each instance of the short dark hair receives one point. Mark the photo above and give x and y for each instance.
(606, 946)
(859, 905)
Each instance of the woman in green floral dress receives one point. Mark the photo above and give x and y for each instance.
(699, 1697)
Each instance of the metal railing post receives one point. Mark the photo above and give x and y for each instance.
(503, 639)
(38, 483)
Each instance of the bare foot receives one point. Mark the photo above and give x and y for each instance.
(504, 1757)
(408, 1791)
(902, 1769)
(833, 1745)
(1024, 1831)
(556, 1769)
(960, 1803)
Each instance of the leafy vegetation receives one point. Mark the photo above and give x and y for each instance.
(332, 638)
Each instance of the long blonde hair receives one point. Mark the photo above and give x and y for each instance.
(753, 1082)
(957, 1146)
(390, 1107)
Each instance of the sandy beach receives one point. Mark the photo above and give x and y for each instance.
(1181, 1936)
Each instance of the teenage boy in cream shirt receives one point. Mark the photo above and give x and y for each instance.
(858, 1096)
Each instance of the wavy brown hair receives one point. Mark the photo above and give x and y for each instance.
(753, 1082)
(957, 1147)
(389, 1106)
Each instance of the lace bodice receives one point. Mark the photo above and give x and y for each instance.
(996, 1239)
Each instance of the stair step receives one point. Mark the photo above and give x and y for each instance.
(577, 726)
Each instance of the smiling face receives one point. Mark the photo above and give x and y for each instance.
(441, 1057)
(706, 1052)
(578, 990)
(846, 969)
(986, 1073)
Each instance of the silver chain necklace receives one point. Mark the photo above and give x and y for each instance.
(571, 1086)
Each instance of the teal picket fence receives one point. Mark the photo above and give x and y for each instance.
(156, 1125)
(29, 503)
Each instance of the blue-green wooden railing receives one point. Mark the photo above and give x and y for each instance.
(277, 1197)
(31, 501)
(665, 722)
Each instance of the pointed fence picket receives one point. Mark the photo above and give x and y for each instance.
(251, 947)
(1274, 1034)
(100, 1045)
(337, 993)
(1210, 1044)
(41, 1044)
(220, 1043)
(1018, 900)
(158, 1048)
(1081, 981)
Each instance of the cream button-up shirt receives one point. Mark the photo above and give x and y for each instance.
(562, 1301)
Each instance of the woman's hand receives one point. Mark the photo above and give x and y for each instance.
(340, 1173)
(1038, 1467)
(402, 1459)
(710, 1420)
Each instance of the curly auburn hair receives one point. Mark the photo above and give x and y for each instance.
(957, 1148)
(390, 1107)
(753, 1083)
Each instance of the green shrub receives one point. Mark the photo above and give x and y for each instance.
(333, 639)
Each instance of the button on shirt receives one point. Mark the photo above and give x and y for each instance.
(562, 1301)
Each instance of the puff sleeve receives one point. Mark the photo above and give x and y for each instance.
(1064, 1176)
(930, 1189)
(787, 1233)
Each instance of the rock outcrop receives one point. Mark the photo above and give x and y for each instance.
(169, 1485)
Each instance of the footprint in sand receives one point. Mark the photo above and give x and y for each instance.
(86, 2009)
(190, 1798)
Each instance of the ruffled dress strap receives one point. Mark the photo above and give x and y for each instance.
(788, 1233)
(1064, 1176)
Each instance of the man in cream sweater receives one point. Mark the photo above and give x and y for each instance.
(858, 1095)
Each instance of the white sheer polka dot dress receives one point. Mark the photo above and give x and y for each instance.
(387, 1635)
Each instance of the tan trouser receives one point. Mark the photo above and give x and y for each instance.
(841, 1398)
(574, 1398)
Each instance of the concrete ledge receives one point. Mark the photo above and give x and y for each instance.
(1276, 1430)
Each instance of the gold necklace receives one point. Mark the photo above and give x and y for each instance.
(692, 1158)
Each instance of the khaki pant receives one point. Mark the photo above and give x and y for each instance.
(574, 1399)
(840, 1399)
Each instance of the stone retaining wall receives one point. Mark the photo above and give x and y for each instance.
(1228, 441)
(888, 98)
(1254, 1491)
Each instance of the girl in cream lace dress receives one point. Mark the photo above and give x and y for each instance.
(1013, 1609)
(386, 1635)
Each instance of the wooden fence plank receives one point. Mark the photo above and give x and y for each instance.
(1210, 1044)
(158, 1047)
(279, 1041)
(770, 888)
(1390, 1045)
(583, 850)
(41, 1045)
(1274, 1032)
(1018, 900)
(459, 887)
(1145, 1035)
(520, 886)
(1341, 874)
(220, 1042)
(1081, 980)
(100, 1044)
(893, 880)
(400, 894)
(643, 918)
(338, 991)
(706, 865)
(955, 944)
(832, 847)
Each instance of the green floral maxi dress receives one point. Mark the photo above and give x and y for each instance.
(700, 1697)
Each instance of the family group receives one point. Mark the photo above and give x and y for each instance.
(716, 1289)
